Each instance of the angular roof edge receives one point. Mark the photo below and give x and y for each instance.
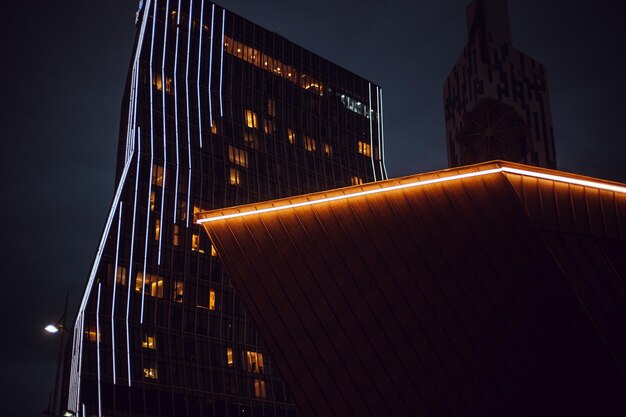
(415, 180)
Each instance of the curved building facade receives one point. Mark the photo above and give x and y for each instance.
(217, 112)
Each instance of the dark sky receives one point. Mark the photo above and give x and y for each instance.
(63, 73)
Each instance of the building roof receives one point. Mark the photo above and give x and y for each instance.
(492, 289)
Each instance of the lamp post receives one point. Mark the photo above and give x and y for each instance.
(53, 328)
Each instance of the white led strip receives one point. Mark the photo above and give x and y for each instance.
(552, 177)
(211, 66)
(117, 253)
(98, 350)
(371, 135)
(222, 60)
(199, 67)
(187, 97)
(163, 92)
(382, 134)
(176, 106)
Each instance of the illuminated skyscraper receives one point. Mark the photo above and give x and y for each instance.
(217, 112)
(496, 97)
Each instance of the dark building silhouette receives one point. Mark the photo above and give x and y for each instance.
(496, 289)
(496, 97)
(217, 111)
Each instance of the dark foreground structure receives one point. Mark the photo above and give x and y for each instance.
(490, 290)
(217, 112)
(496, 98)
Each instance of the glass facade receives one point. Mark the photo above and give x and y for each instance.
(217, 112)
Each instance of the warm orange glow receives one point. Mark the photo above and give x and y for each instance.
(356, 180)
(392, 185)
(152, 200)
(309, 143)
(229, 357)
(148, 342)
(176, 236)
(211, 299)
(251, 120)
(153, 284)
(157, 229)
(328, 150)
(291, 135)
(259, 388)
(157, 175)
(364, 148)
(195, 243)
(150, 373)
(237, 156)
(235, 177)
(254, 361)
(177, 288)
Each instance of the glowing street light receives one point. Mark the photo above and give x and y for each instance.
(53, 328)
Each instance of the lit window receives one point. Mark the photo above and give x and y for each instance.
(211, 299)
(168, 85)
(213, 251)
(214, 128)
(157, 229)
(269, 127)
(229, 357)
(259, 388)
(157, 175)
(271, 107)
(153, 284)
(364, 148)
(150, 373)
(235, 177)
(90, 332)
(120, 278)
(148, 342)
(178, 291)
(251, 120)
(357, 181)
(182, 209)
(152, 200)
(176, 235)
(238, 156)
(157, 81)
(196, 209)
(195, 243)
(291, 135)
(328, 150)
(254, 361)
(309, 144)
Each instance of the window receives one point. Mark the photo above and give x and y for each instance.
(357, 181)
(214, 128)
(364, 148)
(157, 229)
(211, 299)
(195, 243)
(157, 82)
(271, 107)
(328, 150)
(229, 357)
(91, 333)
(176, 235)
(150, 373)
(182, 209)
(213, 250)
(309, 144)
(178, 291)
(254, 361)
(148, 342)
(237, 156)
(251, 139)
(153, 284)
(259, 388)
(235, 177)
(291, 135)
(157, 175)
(152, 200)
(251, 120)
(269, 127)
(120, 278)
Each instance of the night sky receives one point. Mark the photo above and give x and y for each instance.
(63, 74)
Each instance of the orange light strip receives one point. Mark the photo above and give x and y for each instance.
(552, 177)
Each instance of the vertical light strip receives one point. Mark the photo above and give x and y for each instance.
(98, 349)
(116, 266)
(132, 249)
(382, 134)
(187, 97)
(199, 68)
(80, 358)
(176, 106)
(211, 66)
(380, 150)
(222, 61)
(164, 93)
(371, 138)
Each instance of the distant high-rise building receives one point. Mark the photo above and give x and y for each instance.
(217, 112)
(496, 97)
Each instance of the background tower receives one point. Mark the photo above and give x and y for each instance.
(496, 97)
(217, 112)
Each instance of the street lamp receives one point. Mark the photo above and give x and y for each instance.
(59, 327)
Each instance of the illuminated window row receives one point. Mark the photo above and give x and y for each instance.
(269, 64)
